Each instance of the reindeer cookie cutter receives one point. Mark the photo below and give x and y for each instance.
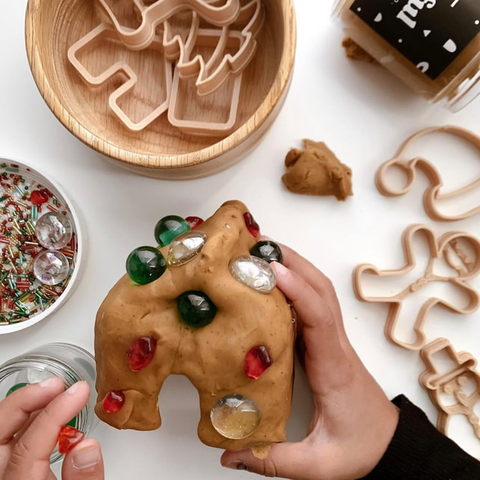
(220, 13)
(451, 248)
(433, 193)
(106, 32)
(452, 383)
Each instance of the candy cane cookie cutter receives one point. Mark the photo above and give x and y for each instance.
(220, 13)
(464, 264)
(451, 382)
(104, 32)
(434, 192)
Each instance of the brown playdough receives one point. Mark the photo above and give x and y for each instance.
(316, 170)
(355, 51)
(212, 357)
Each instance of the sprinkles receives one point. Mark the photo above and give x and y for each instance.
(22, 202)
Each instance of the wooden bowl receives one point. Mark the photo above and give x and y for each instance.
(161, 150)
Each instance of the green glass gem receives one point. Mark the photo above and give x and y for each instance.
(72, 423)
(196, 309)
(268, 251)
(15, 388)
(145, 265)
(169, 228)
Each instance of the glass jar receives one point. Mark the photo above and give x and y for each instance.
(69, 362)
(431, 46)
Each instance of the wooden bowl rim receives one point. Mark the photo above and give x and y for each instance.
(183, 160)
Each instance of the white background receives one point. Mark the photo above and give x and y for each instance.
(360, 110)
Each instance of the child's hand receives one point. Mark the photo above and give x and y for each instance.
(30, 421)
(354, 421)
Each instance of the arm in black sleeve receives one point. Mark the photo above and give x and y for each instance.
(418, 451)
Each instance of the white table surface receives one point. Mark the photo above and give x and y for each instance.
(360, 110)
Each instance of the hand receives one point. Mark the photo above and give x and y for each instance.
(30, 421)
(354, 421)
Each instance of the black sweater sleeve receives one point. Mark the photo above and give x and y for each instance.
(418, 451)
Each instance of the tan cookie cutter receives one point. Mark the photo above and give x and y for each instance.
(451, 383)
(211, 75)
(153, 15)
(177, 101)
(433, 192)
(106, 31)
(447, 247)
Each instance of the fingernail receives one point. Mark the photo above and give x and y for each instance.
(49, 382)
(85, 457)
(238, 466)
(279, 268)
(73, 389)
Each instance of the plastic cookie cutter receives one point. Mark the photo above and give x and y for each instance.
(214, 72)
(103, 33)
(453, 383)
(220, 13)
(196, 114)
(458, 253)
(434, 192)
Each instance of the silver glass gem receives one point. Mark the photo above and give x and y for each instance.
(254, 273)
(185, 248)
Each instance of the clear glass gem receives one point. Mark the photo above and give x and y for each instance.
(236, 417)
(51, 267)
(185, 248)
(37, 375)
(254, 273)
(54, 231)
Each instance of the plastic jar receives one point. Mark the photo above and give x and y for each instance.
(69, 362)
(431, 45)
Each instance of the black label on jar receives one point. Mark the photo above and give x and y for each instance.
(429, 33)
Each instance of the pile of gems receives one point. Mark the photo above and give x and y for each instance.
(38, 247)
(233, 416)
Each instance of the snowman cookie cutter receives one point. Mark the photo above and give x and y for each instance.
(105, 32)
(434, 192)
(220, 13)
(459, 252)
(451, 383)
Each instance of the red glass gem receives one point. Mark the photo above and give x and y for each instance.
(141, 353)
(38, 197)
(194, 222)
(68, 439)
(257, 361)
(113, 401)
(252, 225)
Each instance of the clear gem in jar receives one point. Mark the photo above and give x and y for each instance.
(54, 231)
(51, 267)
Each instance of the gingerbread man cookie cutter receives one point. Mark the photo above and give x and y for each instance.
(434, 192)
(220, 13)
(106, 32)
(452, 383)
(450, 247)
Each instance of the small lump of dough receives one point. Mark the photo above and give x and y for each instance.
(353, 51)
(316, 170)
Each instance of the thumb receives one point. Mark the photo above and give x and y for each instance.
(286, 460)
(84, 462)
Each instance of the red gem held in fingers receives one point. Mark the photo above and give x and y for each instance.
(68, 439)
(252, 225)
(113, 401)
(257, 361)
(141, 353)
(194, 222)
(39, 197)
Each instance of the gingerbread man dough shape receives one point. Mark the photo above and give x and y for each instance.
(451, 382)
(434, 193)
(449, 248)
(212, 357)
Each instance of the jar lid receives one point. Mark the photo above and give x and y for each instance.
(41, 246)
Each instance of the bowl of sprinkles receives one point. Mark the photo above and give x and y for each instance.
(40, 247)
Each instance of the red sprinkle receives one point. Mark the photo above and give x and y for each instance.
(113, 401)
(194, 222)
(257, 361)
(68, 439)
(141, 353)
(252, 225)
